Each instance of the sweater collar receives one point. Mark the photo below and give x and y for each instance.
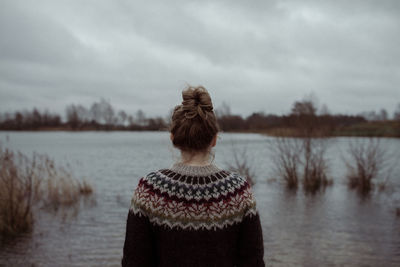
(192, 170)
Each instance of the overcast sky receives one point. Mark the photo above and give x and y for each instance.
(254, 55)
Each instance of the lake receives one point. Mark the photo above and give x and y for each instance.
(331, 228)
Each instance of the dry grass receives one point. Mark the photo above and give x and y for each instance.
(18, 190)
(26, 183)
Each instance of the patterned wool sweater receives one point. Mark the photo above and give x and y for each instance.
(188, 216)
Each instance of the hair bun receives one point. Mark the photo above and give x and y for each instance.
(193, 123)
(196, 101)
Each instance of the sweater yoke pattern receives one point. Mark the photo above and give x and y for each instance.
(180, 198)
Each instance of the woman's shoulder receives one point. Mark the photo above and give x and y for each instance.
(219, 199)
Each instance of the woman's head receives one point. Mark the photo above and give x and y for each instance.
(194, 126)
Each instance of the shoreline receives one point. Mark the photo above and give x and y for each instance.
(273, 132)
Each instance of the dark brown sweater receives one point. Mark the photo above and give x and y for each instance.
(188, 216)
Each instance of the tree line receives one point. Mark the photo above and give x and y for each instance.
(101, 115)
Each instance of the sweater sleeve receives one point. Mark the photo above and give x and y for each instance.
(251, 247)
(139, 241)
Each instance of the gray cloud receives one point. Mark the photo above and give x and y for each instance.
(255, 56)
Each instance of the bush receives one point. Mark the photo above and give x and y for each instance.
(290, 155)
(367, 161)
(286, 158)
(315, 164)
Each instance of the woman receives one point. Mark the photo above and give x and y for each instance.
(193, 213)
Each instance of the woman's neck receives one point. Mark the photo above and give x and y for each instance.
(195, 159)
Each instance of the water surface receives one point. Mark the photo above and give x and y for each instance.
(331, 228)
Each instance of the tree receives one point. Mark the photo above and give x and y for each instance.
(231, 123)
(223, 111)
(37, 118)
(305, 118)
(19, 120)
(156, 124)
(370, 115)
(383, 115)
(122, 117)
(95, 111)
(324, 111)
(304, 107)
(83, 113)
(72, 116)
(108, 112)
(131, 120)
(141, 118)
(103, 112)
(396, 115)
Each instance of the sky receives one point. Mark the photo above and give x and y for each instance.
(255, 56)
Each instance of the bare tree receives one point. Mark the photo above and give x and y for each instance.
(370, 115)
(396, 114)
(72, 116)
(96, 112)
(305, 117)
(108, 112)
(122, 117)
(168, 118)
(83, 113)
(131, 120)
(383, 115)
(103, 112)
(223, 111)
(324, 110)
(305, 107)
(141, 118)
(156, 124)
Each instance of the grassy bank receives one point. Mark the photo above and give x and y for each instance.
(365, 129)
(371, 129)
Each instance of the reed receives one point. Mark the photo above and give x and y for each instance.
(18, 190)
(26, 183)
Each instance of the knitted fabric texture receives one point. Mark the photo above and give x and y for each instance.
(193, 216)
